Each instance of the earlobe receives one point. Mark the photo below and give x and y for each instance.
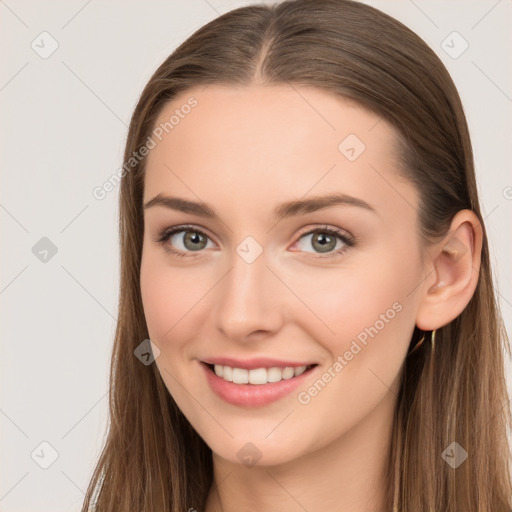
(456, 267)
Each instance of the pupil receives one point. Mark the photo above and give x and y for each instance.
(324, 241)
(194, 238)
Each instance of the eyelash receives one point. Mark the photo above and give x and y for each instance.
(165, 234)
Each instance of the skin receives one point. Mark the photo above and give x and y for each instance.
(244, 151)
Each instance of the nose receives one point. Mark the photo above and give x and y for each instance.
(248, 301)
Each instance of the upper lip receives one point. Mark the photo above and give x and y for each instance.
(257, 362)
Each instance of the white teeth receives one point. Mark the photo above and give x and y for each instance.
(227, 372)
(299, 370)
(258, 375)
(274, 375)
(288, 372)
(240, 376)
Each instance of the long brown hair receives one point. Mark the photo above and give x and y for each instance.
(153, 460)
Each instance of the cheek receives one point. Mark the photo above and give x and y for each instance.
(173, 299)
(369, 303)
(163, 296)
(367, 319)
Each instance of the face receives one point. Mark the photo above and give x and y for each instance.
(332, 285)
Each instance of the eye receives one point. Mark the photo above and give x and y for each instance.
(187, 239)
(325, 239)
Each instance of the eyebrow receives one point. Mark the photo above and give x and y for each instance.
(289, 209)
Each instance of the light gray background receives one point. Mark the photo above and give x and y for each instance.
(64, 123)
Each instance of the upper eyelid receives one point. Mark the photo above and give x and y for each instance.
(177, 229)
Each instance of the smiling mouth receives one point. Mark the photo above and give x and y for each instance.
(258, 376)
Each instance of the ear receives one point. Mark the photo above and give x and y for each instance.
(454, 276)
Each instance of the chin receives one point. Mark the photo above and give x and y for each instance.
(257, 453)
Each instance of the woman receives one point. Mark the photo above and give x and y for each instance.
(302, 243)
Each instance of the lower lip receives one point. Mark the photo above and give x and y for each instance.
(253, 395)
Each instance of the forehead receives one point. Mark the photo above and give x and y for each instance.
(257, 142)
(252, 115)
